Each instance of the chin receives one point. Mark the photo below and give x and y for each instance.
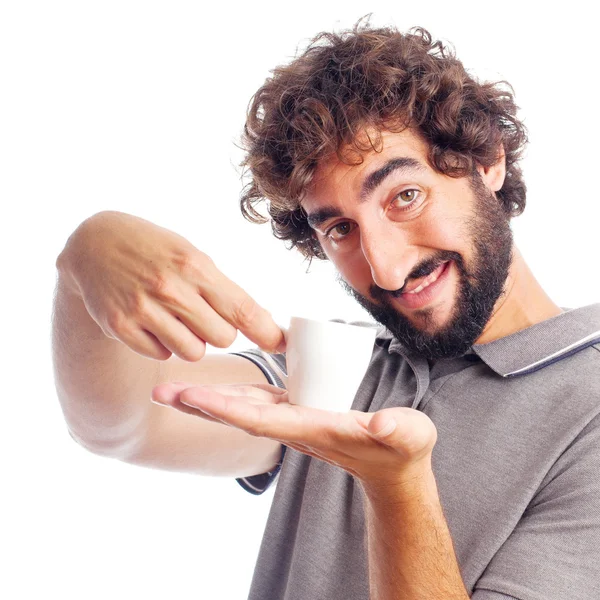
(433, 319)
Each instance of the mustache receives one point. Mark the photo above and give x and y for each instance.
(424, 269)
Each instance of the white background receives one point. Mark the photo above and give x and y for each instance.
(136, 107)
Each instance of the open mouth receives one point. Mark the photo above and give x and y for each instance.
(427, 290)
(429, 279)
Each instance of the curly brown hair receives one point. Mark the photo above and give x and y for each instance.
(381, 79)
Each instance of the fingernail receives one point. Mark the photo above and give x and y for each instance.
(387, 429)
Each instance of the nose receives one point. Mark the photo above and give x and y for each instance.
(389, 256)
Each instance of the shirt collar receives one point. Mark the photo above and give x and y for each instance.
(544, 343)
(535, 347)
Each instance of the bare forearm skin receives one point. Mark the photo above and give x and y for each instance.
(86, 363)
(411, 555)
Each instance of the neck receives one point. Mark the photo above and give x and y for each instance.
(523, 304)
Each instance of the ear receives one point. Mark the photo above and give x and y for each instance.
(493, 176)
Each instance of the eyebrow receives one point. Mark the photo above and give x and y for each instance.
(403, 164)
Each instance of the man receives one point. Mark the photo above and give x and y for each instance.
(378, 152)
(468, 465)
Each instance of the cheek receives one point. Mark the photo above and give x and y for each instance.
(352, 267)
(440, 229)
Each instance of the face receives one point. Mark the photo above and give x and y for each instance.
(425, 254)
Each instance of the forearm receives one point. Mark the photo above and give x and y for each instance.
(411, 555)
(87, 368)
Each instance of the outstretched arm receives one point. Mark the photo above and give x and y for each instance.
(411, 556)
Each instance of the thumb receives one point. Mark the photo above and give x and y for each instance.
(407, 430)
(383, 429)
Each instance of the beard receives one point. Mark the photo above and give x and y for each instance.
(480, 285)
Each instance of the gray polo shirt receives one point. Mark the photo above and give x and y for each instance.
(517, 465)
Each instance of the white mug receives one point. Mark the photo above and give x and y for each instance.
(326, 362)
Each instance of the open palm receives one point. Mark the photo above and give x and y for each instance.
(374, 447)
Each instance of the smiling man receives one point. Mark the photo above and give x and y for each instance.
(429, 256)
(376, 150)
(468, 465)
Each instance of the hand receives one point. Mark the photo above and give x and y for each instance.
(388, 447)
(154, 291)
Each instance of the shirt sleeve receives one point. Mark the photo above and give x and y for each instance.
(259, 484)
(554, 551)
(482, 594)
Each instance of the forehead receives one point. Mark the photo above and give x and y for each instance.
(334, 179)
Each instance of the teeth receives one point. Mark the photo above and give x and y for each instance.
(427, 281)
(417, 290)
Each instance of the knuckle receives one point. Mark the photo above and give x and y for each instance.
(139, 306)
(244, 312)
(115, 321)
(159, 285)
(184, 261)
(193, 265)
(198, 268)
(167, 294)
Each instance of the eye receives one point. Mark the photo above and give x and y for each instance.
(408, 198)
(342, 229)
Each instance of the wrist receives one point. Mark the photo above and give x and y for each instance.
(413, 482)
